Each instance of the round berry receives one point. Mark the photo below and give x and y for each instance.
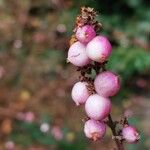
(94, 129)
(99, 49)
(107, 84)
(97, 107)
(80, 93)
(85, 34)
(77, 55)
(130, 134)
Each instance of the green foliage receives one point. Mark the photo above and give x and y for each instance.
(26, 134)
(76, 145)
(141, 144)
(128, 61)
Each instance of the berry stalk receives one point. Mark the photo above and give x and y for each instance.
(112, 126)
(90, 52)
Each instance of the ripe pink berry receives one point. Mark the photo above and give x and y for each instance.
(97, 107)
(77, 55)
(80, 93)
(99, 49)
(94, 129)
(107, 84)
(85, 34)
(130, 134)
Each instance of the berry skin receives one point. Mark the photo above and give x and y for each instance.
(99, 49)
(130, 134)
(77, 55)
(107, 84)
(97, 107)
(94, 129)
(80, 93)
(85, 34)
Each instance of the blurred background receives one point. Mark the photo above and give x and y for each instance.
(36, 110)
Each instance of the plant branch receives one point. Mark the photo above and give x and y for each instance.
(112, 126)
(101, 67)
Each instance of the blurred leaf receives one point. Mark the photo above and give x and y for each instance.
(127, 61)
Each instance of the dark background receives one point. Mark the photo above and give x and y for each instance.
(36, 81)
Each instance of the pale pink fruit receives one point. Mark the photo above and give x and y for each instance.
(107, 84)
(44, 127)
(10, 145)
(57, 133)
(97, 107)
(77, 55)
(94, 129)
(80, 93)
(85, 34)
(130, 134)
(99, 49)
(29, 117)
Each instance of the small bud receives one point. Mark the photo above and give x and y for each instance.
(85, 34)
(94, 129)
(97, 107)
(130, 134)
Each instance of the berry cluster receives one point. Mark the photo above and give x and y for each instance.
(90, 51)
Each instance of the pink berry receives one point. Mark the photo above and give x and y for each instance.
(80, 93)
(97, 107)
(10, 145)
(94, 129)
(85, 34)
(29, 117)
(130, 134)
(57, 133)
(77, 55)
(99, 49)
(107, 84)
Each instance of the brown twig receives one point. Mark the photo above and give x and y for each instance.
(112, 126)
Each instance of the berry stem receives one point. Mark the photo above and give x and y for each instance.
(110, 122)
(87, 17)
(112, 126)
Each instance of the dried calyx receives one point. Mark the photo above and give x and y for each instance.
(87, 16)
